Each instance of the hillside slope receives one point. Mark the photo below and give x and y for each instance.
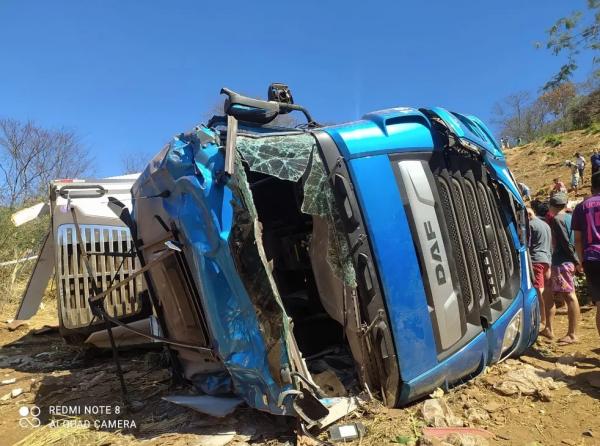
(538, 162)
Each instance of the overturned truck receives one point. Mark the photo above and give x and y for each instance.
(390, 251)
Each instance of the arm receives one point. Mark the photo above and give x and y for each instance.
(579, 245)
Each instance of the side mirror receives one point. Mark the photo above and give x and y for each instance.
(247, 109)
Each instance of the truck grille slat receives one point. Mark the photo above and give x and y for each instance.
(453, 230)
(75, 284)
(463, 214)
(493, 235)
(477, 235)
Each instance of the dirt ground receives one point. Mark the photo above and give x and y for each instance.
(536, 164)
(562, 407)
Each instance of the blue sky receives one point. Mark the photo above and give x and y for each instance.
(128, 75)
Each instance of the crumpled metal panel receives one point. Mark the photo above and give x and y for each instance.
(203, 210)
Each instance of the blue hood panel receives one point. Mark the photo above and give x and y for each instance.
(383, 132)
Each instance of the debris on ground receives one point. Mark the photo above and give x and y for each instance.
(436, 412)
(210, 405)
(526, 380)
(346, 432)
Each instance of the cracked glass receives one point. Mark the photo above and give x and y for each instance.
(294, 158)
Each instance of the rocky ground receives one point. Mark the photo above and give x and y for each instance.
(550, 396)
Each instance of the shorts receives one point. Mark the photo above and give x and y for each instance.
(592, 276)
(539, 274)
(562, 278)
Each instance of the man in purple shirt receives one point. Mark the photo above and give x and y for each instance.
(586, 224)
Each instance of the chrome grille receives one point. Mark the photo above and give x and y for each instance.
(481, 245)
(74, 282)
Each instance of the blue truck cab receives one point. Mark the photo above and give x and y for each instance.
(390, 250)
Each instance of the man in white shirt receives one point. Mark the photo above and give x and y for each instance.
(580, 162)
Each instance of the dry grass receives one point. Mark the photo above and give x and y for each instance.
(537, 163)
(72, 436)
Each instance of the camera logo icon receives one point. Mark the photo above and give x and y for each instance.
(29, 417)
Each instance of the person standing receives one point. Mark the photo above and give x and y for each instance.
(595, 161)
(559, 186)
(564, 264)
(574, 176)
(580, 162)
(586, 225)
(540, 251)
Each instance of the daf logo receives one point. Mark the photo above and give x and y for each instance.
(434, 250)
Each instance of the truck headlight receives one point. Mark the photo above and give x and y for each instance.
(512, 331)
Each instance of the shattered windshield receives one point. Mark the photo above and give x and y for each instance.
(295, 158)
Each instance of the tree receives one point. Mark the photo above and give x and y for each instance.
(135, 162)
(557, 102)
(31, 156)
(509, 115)
(570, 35)
(519, 116)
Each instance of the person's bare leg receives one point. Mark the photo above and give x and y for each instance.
(540, 294)
(574, 315)
(550, 311)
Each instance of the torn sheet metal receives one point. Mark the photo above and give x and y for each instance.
(218, 227)
(252, 347)
(210, 405)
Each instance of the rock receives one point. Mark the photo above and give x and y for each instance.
(437, 393)
(499, 418)
(13, 325)
(569, 442)
(545, 395)
(565, 369)
(466, 440)
(8, 381)
(492, 406)
(476, 415)
(594, 380)
(526, 380)
(431, 441)
(587, 433)
(436, 412)
(16, 392)
(5, 397)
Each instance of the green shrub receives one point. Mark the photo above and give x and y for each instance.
(593, 129)
(553, 140)
(16, 243)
